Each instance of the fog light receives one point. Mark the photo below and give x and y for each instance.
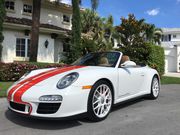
(51, 98)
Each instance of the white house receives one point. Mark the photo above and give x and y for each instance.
(55, 23)
(171, 43)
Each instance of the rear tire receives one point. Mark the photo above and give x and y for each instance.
(155, 88)
(100, 101)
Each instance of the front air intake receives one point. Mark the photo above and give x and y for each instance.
(48, 108)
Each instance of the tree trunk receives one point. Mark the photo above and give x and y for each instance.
(35, 30)
(2, 15)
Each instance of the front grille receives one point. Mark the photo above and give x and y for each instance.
(18, 107)
(48, 108)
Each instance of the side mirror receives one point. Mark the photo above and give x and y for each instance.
(128, 64)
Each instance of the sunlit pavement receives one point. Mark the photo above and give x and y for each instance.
(172, 74)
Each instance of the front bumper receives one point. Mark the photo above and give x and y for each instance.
(74, 102)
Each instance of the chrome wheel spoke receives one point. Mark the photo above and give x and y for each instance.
(102, 103)
(96, 102)
(155, 88)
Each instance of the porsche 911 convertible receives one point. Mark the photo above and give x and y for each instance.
(91, 85)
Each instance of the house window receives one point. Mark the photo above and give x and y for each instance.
(9, 5)
(166, 38)
(174, 36)
(66, 18)
(27, 8)
(66, 47)
(22, 47)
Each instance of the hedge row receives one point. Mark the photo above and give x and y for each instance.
(156, 58)
(13, 71)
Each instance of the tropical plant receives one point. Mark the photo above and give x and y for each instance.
(131, 31)
(2, 15)
(76, 46)
(97, 33)
(153, 34)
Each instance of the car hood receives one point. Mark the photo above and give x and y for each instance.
(52, 75)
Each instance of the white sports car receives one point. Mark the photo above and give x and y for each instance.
(90, 85)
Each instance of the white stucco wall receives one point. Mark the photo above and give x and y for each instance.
(45, 54)
(9, 47)
(58, 48)
(18, 12)
(49, 15)
(170, 59)
(175, 39)
(54, 17)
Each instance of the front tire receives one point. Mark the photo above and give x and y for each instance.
(100, 101)
(155, 88)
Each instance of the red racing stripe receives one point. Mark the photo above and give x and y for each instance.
(18, 94)
(24, 81)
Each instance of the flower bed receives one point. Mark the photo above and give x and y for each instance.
(13, 71)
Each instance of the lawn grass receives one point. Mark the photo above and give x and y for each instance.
(170, 80)
(164, 80)
(3, 88)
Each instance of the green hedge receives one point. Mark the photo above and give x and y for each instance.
(149, 54)
(13, 71)
(156, 58)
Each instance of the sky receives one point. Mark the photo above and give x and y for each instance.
(162, 13)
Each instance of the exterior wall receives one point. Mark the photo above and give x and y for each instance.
(45, 54)
(58, 49)
(178, 58)
(9, 47)
(49, 15)
(177, 37)
(18, 11)
(172, 50)
(54, 17)
(170, 60)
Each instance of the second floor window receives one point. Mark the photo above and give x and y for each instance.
(166, 38)
(9, 5)
(174, 36)
(27, 8)
(66, 18)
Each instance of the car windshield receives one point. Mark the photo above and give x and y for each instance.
(105, 59)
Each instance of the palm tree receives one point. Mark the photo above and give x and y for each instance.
(35, 30)
(153, 34)
(2, 15)
(97, 33)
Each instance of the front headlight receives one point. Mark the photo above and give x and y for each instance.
(67, 80)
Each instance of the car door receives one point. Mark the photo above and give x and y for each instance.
(130, 80)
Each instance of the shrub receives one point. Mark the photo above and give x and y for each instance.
(156, 58)
(13, 71)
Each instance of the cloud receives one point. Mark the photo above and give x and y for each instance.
(153, 12)
(66, 1)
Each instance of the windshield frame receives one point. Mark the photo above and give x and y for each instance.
(113, 66)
